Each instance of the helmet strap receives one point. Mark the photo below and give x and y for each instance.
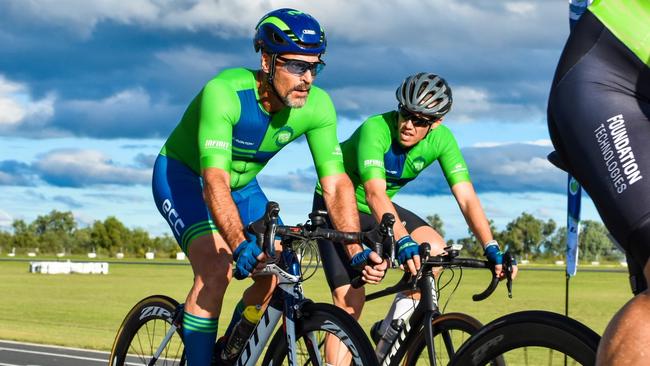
(271, 76)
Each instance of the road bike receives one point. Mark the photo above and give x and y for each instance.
(151, 333)
(426, 328)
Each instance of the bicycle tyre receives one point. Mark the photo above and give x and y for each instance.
(535, 329)
(141, 333)
(329, 319)
(465, 324)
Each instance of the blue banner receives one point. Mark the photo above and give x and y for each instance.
(573, 225)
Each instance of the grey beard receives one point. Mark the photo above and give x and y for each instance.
(293, 103)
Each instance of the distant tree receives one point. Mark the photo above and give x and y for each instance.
(436, 223)
(525, 235)
(594, 240)
(471, 246)
(5, 241)
(54, 230)
(555, 246)
(24, 238)
(81, 242)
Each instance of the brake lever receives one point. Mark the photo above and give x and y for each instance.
(507, 267)
(425, 252)
(271, 219)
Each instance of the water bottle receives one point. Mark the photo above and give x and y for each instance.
(242, 330)
(386, 341)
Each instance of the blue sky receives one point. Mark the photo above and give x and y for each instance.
(89, 90)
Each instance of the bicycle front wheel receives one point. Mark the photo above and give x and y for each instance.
(324, 334)
(142, 333)
(531, 338)
(450, 331)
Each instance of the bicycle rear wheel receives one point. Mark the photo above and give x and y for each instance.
(142, 332)
(319, 321)
(450, 331)
(531, 338)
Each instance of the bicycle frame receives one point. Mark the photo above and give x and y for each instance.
(286, 303)
(425, 311)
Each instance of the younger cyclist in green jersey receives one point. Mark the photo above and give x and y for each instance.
(204, 178)
(385, 153)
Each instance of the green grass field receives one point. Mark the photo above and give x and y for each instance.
(86, 310)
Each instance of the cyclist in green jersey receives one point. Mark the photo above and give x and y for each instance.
(204, 178)
(385, 153)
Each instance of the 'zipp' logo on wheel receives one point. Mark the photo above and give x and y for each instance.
(151, 311)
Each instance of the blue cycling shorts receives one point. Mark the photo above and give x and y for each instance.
(178, 193)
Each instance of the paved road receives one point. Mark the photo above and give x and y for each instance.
(29, 354)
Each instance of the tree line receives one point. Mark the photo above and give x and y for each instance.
(58, 232)
(533, 239)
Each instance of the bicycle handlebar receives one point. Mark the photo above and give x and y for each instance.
(266, 228)
(447, 260)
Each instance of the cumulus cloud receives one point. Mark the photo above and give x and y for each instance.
(17, 105)
(15, 173)
(498, 56)
(79, 168)
(130, 112)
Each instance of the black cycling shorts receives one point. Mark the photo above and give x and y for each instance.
(599, 122)
(334, 257)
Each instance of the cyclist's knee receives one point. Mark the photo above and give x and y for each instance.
(429, 235)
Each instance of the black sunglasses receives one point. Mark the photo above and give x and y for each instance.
(417, 121)
(299, 67)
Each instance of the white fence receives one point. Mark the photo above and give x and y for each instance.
(68, 267)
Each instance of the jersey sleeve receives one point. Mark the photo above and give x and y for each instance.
(451, 160)
(374, 139)
(219, 111)
(322, 139)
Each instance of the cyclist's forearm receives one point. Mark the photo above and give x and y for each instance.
(477, 221)
(216, 192)
(341, 204)
(379, 204)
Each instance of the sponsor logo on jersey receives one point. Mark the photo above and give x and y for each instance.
(216, 144)
(373, 162)
(283, 136)
(337, 150)
(418, 164)
(458, 168)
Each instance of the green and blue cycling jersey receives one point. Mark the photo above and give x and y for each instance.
(226, 127)
(374, 152)
(629, 21)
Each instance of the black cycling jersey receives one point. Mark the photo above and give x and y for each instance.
(598, 119)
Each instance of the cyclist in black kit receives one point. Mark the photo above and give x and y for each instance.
(599, 122)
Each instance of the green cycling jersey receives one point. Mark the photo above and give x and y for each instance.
(226, 127)
(373, 151)
(629, 21)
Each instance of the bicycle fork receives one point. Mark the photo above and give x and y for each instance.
(177, 321)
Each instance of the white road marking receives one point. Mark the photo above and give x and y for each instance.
(52, 354)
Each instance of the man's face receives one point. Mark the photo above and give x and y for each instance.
(412, 128)
(291, 84)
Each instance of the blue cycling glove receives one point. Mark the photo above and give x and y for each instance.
(360, 259)
(407, 248)
(245, 256)
(493, 253)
